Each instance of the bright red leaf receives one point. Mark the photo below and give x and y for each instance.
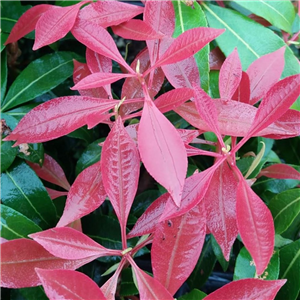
(280, 171)
(86, 194)
(242, 93)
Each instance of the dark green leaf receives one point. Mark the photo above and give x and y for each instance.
(293, 155)
(214, 84)
(34, 153)
(31, 293)
(128, 287)
(39, 77)
(3, 37)
(82, 133)
(193, 295)
(23, 191)
(66, 2)
(285, 207)
(218, 253)
(3, 73)
(15, 225)
(289, 269)
(8, 154)
(280, 241)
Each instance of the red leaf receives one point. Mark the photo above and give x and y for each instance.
(51, 171)
(176, 247)
(120, 165)
(250, 289)
(255, 224)
(276, 102)
(192, 151)
(20, 257)
(86, 194)
(97, 39)
(280, 171)
(242, 93)
(148, 221)
(216, 59)
(54, 24)
(27, 22)
(58, 117)
(149, 288)
(187, 44)
(172, 99)
(68, 243)
(109, 13)
(162, 150)
(265, 72)
(230, 75)
(53, 194)
(67, 284)
(136, 30)
(220, 201)
(188, 135)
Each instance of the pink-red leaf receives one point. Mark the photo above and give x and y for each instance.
(230, 75)
(58, 117)
(242, 93)
(162, 150)
(187, 44)
(27, 22)
(86, 194)
(68, 243)
(250, 289)
(265, 72)
(220, 201)
(280, 171)
(136, 30)
(255, 225)
(68, 284)
(109, 13)
(176, 247)
(20, 257)
(54, 24)
(53, 194)
(120, 165)
(51, 171)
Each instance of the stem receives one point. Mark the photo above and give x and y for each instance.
(142, 245)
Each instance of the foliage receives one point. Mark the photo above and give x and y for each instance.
(182, 166)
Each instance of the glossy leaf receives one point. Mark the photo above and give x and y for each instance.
(120, 167)
(230, 75)
(54, 24)
(162, 150)
(4, 70)
(14, 225)
(250, 289)
(242, 93)
(265, 72)
(33, 153)
(220, 201)
(22, 256)
(59, 117)
(86, 194)
(8, 155)
(183, 237)
(285, 207)
(39, 77)
(51, 171)
(68, 243)
(255, 224)
(68, 284)
(280, 171)
(25, 193)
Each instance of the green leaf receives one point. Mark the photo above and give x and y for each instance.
(3, 38)
(285, 207)
(218, 253)
(188, 17)
(214, 84)
(289, 269)
(281, 14)
(90, 155)
(34, 153)
(8, 154)
(28, 294)
(83, 133)
(39, 77)
(281, 241)
(251, 39)
(3, 73)
(66, 2)
(245, 268)
(128, 287)
(193, 295)
(23, 191)
(15, 225)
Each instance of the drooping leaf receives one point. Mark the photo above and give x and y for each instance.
(51, 171)
(39, 77)
(59, 117)
(280, 171)
(255, 224)
(14, 225)
(230, 75)
(68, 243)
(250, 289)
(183, 237)
(25, 193)
(162, 150)
(68, 284)
(220, 201)
(120, 167)
(22, 256)
(86, 194)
